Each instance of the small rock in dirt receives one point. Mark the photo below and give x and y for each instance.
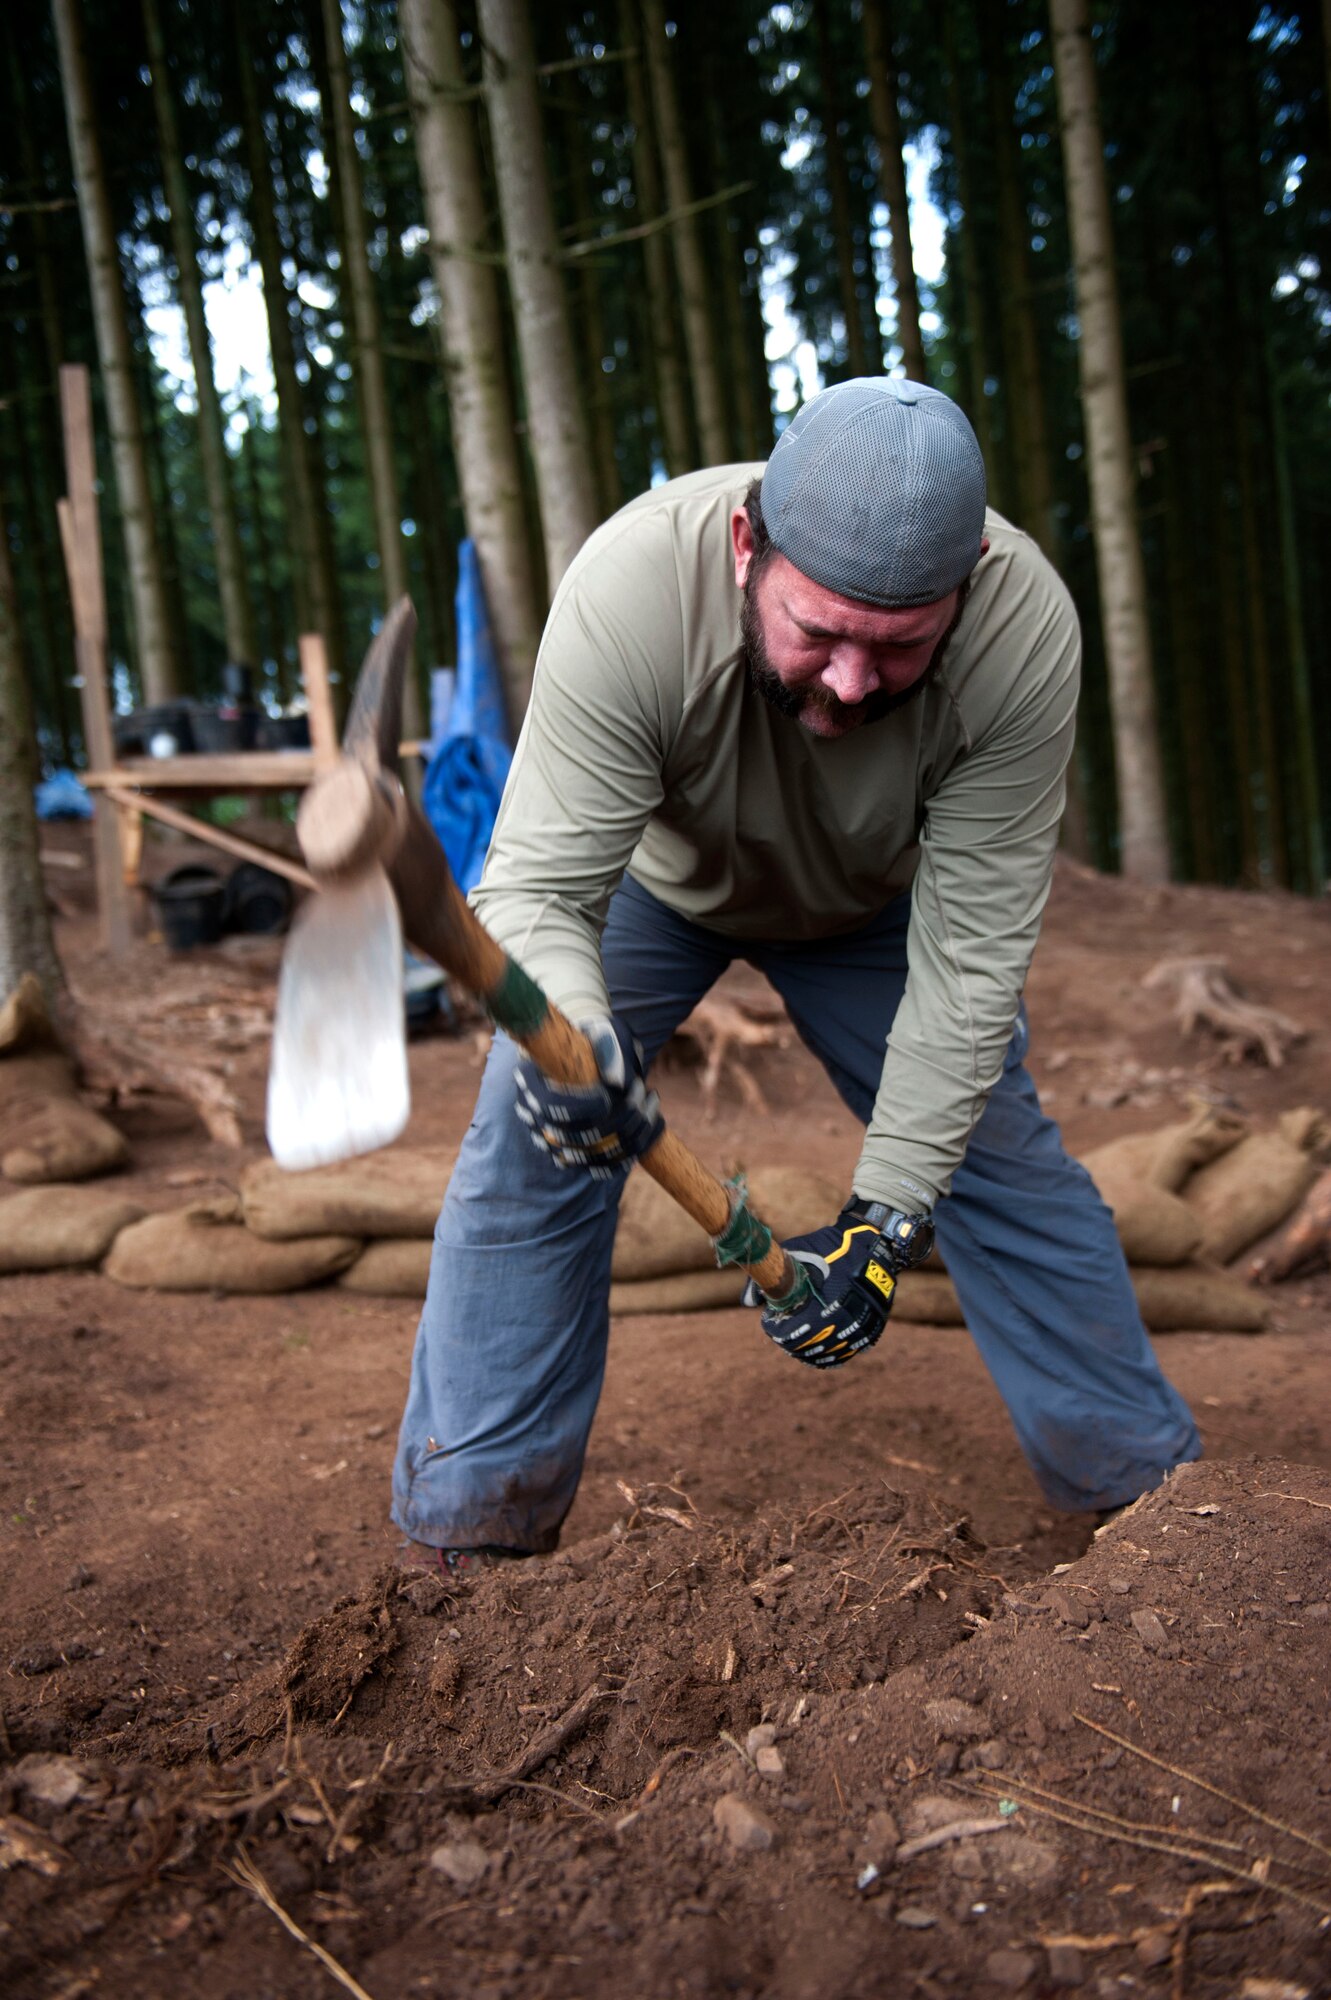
(966, 1862)
(1154, 1948)
(770, 1762)
(945, 1763)
(1068, 1608)
(1021, 1862)
(374, 1431)
(990, 1756)
(1318, 1611)
(463, 1861)
(913, 1918)
(56, 1781)
(79, 1577)
(1119, 1585)
(880, 1840)
(956, 1720)
(1146, 1624)
(761, 1737)
(747, 1828)
(1010, 1969)
(44, 1659)
(1065, 1965)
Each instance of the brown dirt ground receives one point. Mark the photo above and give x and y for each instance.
(198, 1605)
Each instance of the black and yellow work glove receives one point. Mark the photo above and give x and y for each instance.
(601, 1127)
(852, 1267)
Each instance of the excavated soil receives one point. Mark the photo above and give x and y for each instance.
(540, 1780)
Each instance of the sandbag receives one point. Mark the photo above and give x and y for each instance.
(1256, 1185)
(49, 1135)
(1166, 1157)
(395, 1269)
(680, 1291)
(398, 1192)
(206, 1248)
(1154, 1226)
(54, 1228)
(655, 1238)
(926, 1299)
(1195, 1299)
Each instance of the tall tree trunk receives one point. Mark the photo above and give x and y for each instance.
(978, 358)
(694, 287)
(157, 668)
(313, 583)
(367, 344)
(886, 117)
(592, 333)
(1143, 826)
(25, 930)
(555, 389)
(747, 441)
(232, 582)
(472, 328)
(838, 187)
(1023, 389)
(672, 398)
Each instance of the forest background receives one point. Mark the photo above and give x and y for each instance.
(518, 262)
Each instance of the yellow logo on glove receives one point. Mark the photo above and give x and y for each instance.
(880, 1278)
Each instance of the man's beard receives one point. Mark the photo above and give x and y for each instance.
(796, 702)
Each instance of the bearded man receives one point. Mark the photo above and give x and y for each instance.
(814, 715)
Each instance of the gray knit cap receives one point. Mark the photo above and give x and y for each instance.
(876, 490)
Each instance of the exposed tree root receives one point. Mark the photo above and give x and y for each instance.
(1304, 1244)
(723, 1029)
(1205, 998)
(112, 1059)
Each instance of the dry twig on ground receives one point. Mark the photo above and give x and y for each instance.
(1205, 998)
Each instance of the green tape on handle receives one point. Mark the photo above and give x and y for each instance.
(517, 1005)
(744, 1240)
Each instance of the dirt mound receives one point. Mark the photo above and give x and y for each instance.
(689, 1760)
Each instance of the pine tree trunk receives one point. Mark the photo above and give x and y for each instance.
(556, 391)
(838, 187)
(979, 365)
(313, 584)
(886, 116)
(157, 668)
(1142, 819)
(690, 266)
(484, 441)
(232, 584)
(25, 929)
(1023, 389)
(745, 432)
(672, 397)
(367, 344)
(592, 341)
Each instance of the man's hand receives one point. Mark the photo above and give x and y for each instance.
(600, 1127)
(852, 1268)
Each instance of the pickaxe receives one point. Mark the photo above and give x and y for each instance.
(338, 1083)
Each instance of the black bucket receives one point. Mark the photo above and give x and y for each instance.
(190, 903)
(258, 902)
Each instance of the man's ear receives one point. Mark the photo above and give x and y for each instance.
(741, 542)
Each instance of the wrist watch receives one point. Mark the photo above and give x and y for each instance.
(907, 1238)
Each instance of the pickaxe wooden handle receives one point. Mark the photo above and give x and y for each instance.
(355, 816)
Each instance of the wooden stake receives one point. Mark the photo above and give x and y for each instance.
(318, 693)
(80, 536)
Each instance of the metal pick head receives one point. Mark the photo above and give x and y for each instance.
(374, 720)
(338, 1084)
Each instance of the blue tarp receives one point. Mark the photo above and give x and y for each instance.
(465, 775)
(61, 796)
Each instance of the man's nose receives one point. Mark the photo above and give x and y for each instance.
(850, 674)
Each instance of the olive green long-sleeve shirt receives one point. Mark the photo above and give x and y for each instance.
(646, 748)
